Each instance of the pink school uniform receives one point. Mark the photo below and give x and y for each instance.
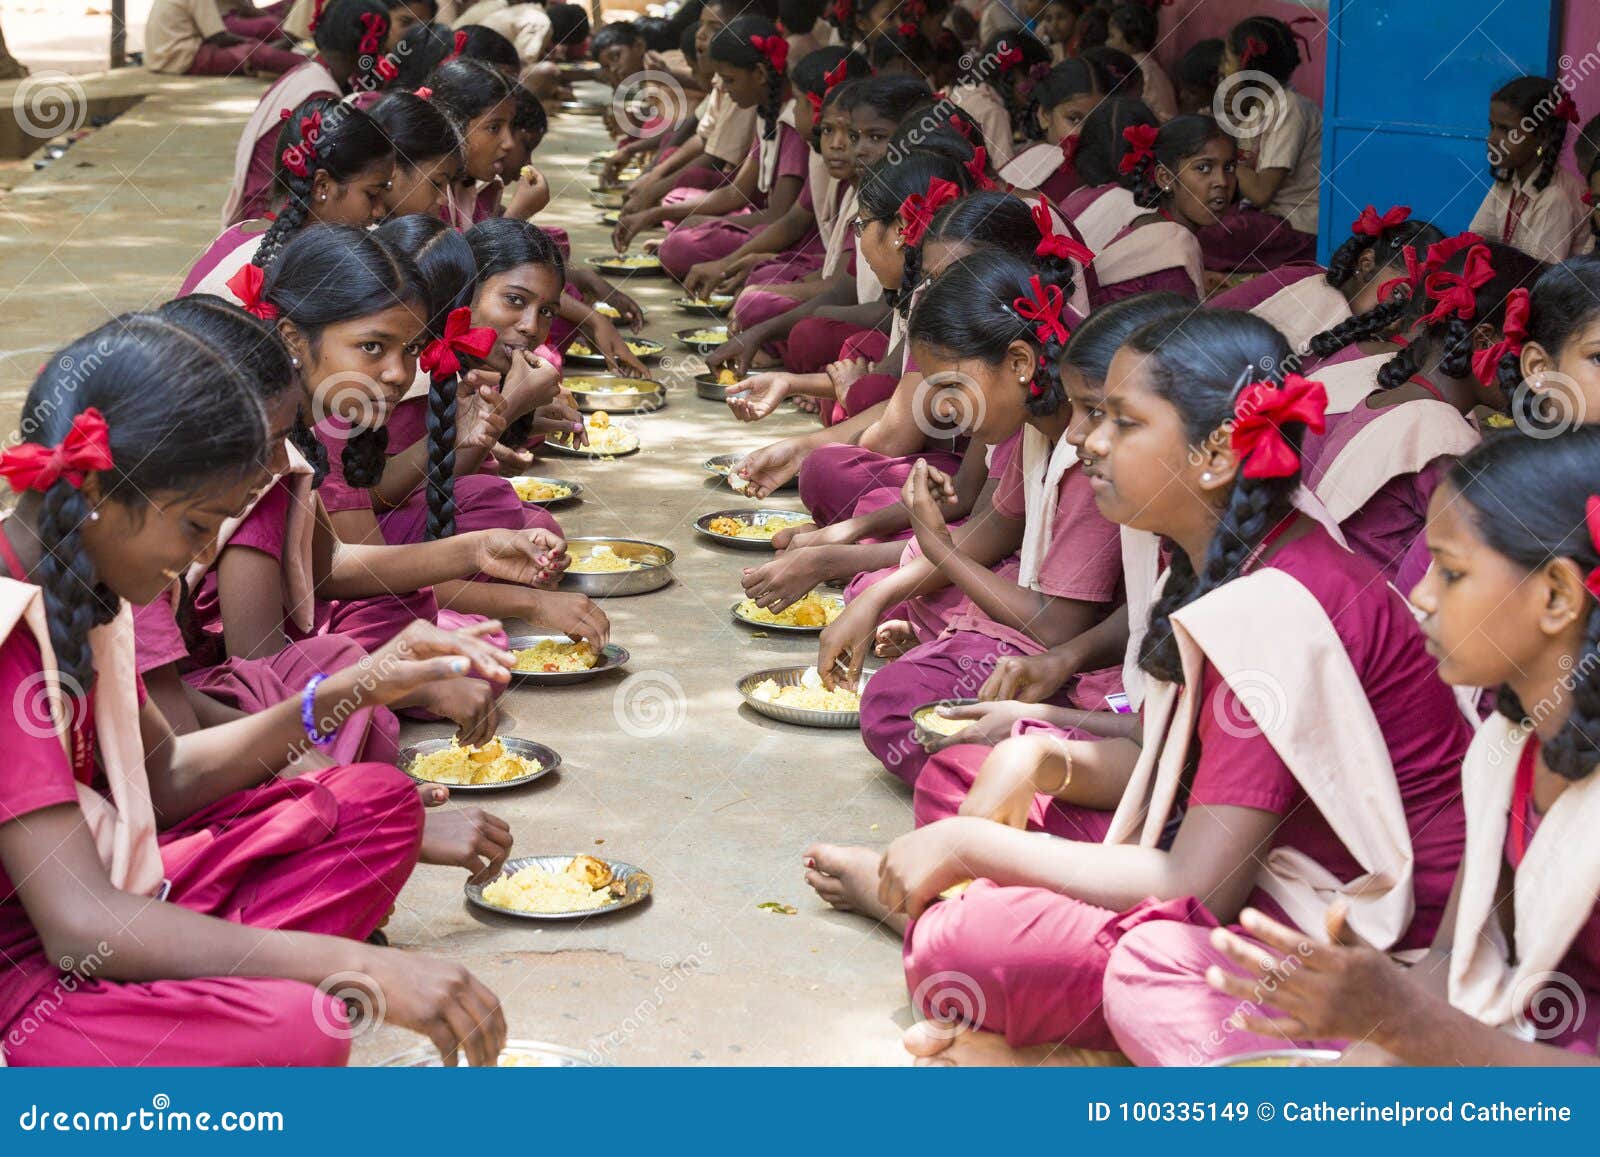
(984, 105)
(1157, 256)
(1079, 558)
(255, 160)
(327, 852)
(1053, 968)
(1295, 298)
(1042, 168)
(223, 258)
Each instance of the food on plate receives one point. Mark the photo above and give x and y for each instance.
(929, 719)
(738, 528)
(638, 348)
(602, 559)
(584, 884)
(604, 438)
(595, 386)
(810, 695)
(727, 378)
(533, 490)
(473, 766)
(633, 261)
(552, 655)
(706, 337)
(812, 611)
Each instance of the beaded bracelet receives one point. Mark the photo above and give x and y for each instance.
(308, 712)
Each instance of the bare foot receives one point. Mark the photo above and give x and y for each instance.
(935, 1043)
(847, 878)
(894, 638)
(433, 794)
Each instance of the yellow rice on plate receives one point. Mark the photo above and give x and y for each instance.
(602, 560)
(595, 386)
(736, 528)
(604, 438)
(532, 889)
(634, 261)
(811, 611)
(584, 350)
(472, 766)
(727, 378)
(929, 719)
(707, 336)
(532, 490)
(552, 655)
(810, 695)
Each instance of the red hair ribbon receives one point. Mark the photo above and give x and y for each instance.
(296, 159)
(424, 93)
(1008, 57)
(1069, 148)
(316, 15)
(1372, 224)
(1260, 415)
(1486, 363)
(836, 75)
(815, 102)
(1053, 244)
(917, 210)
(377, 27)
(1591, 514)
(1455, 293)
(1444, 250)
(842, 12)
(914, 9)
(907, 29)
(458, 44)
(1044, 310)
(1254, 46)
(1588, 198)
(246, 286)
(311, 130)
(86, 447)
(978, 168)
(440, 356)
(960, 125)
(1567, 109)
(774, 48)
(285, 113)
(1415, 271)
(1304, 40)
(1142, 147)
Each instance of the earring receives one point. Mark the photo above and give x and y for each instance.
(295, 362)
(94, 516)
(322, 197)
(1206, 477)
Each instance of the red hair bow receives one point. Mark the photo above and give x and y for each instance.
(815, 102)
(311, 130)
(1588, 198)
(1044, 310)
(1372, 224)
(774, 48)
(1142, 146)
(440, 357)
(1415, 270)
(1254, 46)
(842, 12)
(246, 286)
(458, 44)
(1567, 109)
(295, 159)
(377, 27)
(1591, 514)
(86, 447)
(1455, 293)
(907, 29)
(836, 75)
(1486, 363)
(1053, 244)
(978, 168)
(1009, 57)
(959, 124)
(424, 93)
(917, 210)
(1069, 148)
(1260, 415)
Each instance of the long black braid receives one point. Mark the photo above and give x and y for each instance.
(1388, 252)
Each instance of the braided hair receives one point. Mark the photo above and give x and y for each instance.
(1526, 498)
(1179, 139)
(350, 36)
(1450, 339)
(885, 187)
(1388, 253)
(1199, 361)
(732, 45)
(344, 143)
(178, 418)
(1536, 100)
(335, 273)
(499, 245)
(1101, 145)
(450, 274)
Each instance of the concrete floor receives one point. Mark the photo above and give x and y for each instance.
(717, 808)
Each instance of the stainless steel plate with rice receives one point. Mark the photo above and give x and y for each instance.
(642, 264)
(835, 601)
(782, 518)
(643, 348)
(722, 466)
(526, 748)
(636, 886)
(717, 305)
(607, 198)
(805, 717)
(520, 1054)
(708, 387)
(609, 659)
(921, 732)
(654, 573)
(574, 490)
(643, 398)
(704, 338)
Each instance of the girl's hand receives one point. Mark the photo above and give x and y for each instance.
(525, 557)
(992, 723)
(924, 490)
(1012, 776)
(755, 397)
(511, 460)
(739, 350)
(703, 278)
(480, 415)
(769, 468)
(1029, 678)
(804, 534)
(467, 838)
(531, 382)
(1327, 991)
(574, 615)
(614, 348)
(439, 999)
(561, 417)
(468, 703)
(920, 865)
(628, 227)
(632, 312)
(844, 374)
(845, 643)
(423, 654)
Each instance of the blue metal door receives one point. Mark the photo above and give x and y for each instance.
(1406, 102)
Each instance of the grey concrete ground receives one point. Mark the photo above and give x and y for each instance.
(717, 808)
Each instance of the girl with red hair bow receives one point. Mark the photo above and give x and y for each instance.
(1068, 93)
(1280, 162)
(1284, 682)
(1535, 204)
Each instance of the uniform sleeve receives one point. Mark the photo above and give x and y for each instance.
(794, 155)
(157, 640)
(1084, 558)
(1006, 469)
(263, 528)
(1280, 145)
(207, 18)
(35, 773)
(1237, 767)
